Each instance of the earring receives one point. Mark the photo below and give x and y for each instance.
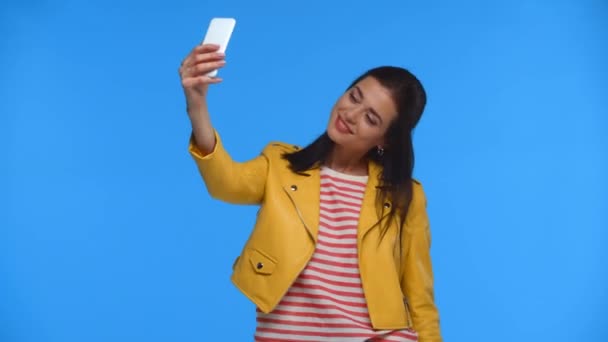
(380, 151)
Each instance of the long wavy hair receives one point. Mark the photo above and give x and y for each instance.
(397, 160)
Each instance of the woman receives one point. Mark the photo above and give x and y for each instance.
(340, 247)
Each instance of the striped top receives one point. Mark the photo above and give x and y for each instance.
(326, 302)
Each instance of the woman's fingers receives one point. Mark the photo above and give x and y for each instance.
(206, 48)
(206, 56)
(200, 80)
(194, 68)
(201, 68)
(202, 53)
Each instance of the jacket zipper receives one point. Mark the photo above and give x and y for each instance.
(299, 214)
(310, 254)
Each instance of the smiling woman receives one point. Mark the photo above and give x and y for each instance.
(340, 250)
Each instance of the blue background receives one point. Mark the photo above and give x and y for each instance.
(107, 232)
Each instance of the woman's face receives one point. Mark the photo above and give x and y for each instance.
(361, 116)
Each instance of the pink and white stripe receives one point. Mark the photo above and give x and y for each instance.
(326, 302)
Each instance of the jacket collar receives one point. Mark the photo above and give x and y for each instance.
(304, 191)
(372, 212)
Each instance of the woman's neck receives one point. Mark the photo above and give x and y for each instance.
(345, 162)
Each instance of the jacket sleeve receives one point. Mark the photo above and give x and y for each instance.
(417, 273)
(228, 180)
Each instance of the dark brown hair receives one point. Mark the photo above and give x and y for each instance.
(397, 160)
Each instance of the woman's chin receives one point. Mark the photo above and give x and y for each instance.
(333, 135)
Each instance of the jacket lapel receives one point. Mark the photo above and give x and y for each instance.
(371, 211)
(304, 191)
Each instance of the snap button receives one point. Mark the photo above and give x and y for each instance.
(261, 263)
(294, 187)
(387, 205)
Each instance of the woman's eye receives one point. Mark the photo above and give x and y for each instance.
(352, 97)
(371, 120)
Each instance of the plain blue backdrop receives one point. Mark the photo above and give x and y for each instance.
(108, 234)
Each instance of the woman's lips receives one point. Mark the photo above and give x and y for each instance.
(342, 127)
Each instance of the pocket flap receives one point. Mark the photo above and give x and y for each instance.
(261, 263)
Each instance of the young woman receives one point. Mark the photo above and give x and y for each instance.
(340, 247)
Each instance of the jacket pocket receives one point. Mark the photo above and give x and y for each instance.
(261, 262)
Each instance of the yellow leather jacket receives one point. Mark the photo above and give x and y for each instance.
(398, 290)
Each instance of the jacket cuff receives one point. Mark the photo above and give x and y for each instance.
(197, 153)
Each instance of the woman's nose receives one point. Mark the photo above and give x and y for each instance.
(350, 116)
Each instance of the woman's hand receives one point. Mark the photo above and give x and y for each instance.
(202, 59)
(193, 70)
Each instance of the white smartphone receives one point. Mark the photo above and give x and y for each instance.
(219, 32)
